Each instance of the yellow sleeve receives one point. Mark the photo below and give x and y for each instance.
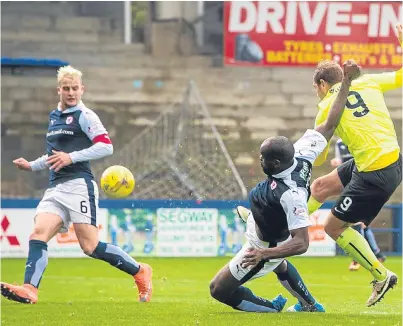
(388, 81)
(322, 157)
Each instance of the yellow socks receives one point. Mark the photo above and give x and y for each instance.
(313, 205)
(354, 244)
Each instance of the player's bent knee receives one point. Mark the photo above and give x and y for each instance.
(46, 226)
(216, 291)
(317, 190)
(88, 248)
(321, 189)
(325, 187)
(213, 289)
(38, 233)
(87, 237)
(282, 268)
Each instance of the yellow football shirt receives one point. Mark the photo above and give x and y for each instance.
(365, 127)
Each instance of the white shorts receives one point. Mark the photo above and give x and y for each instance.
(250, 273)
(75, 201)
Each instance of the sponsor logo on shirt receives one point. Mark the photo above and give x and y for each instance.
(60, 132)
(305, 172)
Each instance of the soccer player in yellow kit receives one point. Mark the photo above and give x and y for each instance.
(366, 182)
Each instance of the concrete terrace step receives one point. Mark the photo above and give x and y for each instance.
(191, 67)
(21, 22)
(84, 48)
(156, 86)
(68, 37)
(303, 75)
(32, 85)
(296, 88)
(87, 60)
(57, 8)
(83, 60)
(274, 111)
(218, 98)
(29, 82)
(395, 105)
(157, 64)
(60, 48)
(114, 63)
(29, 94)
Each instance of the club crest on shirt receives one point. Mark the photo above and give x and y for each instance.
(273, 185)
(300, 211)
(69, 120)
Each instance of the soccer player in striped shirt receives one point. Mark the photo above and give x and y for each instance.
(75, 137)
(366, 183)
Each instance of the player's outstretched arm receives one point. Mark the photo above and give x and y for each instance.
(351, 71)
(37, 165)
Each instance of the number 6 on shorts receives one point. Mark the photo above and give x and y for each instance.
(84, 208)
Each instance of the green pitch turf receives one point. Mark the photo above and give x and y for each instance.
(90, 292)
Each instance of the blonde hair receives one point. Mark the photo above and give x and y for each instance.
(69, 72)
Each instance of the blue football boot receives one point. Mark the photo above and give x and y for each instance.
(279, 302)
(317, 307)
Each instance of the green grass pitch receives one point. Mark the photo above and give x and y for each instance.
(90, 292)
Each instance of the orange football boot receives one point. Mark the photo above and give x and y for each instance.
(144, 283)
(26, 293)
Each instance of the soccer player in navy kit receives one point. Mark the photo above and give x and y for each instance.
(75, 137)
(277, 225)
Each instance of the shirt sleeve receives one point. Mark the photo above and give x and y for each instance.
(95, 152)
(387, 81)
(39, 163)
(92, 126)
(294, 204)
(310, 145)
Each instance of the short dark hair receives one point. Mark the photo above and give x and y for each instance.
(279, 148)
(329, 71)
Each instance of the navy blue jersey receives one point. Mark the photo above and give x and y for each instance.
(72, 130)
(279, 203)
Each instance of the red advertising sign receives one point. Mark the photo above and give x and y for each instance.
(266, 33)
